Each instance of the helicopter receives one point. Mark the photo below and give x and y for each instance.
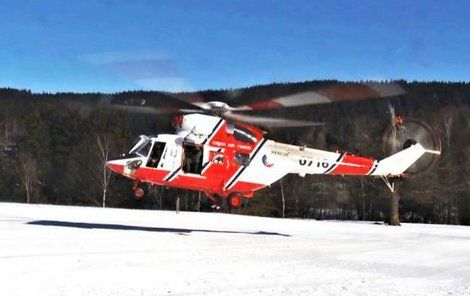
(218, 150)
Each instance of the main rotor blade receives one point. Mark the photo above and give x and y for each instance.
(129, 105)
(151, 110)
(330, 94)
(270, 122)
(153, 103)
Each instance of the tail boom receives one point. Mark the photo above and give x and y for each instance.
(398, 163)
(394, 165)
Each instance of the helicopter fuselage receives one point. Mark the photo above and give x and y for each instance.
(211, 155)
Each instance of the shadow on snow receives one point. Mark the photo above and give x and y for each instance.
(141, 228)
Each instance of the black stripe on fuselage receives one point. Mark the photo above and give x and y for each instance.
(235, 178)
(204, 167)
(375, 167)
(213, 131)
(244, 167)
(337, 162)
(173, 174)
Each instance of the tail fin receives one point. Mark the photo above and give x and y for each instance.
(397, 163)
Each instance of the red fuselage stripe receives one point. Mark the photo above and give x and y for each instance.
(353, 165)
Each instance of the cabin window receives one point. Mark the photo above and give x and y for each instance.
(156, 154)
(192, 163)
(243, 134)
(242, 158)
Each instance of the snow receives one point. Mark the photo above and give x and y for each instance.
(60, 250)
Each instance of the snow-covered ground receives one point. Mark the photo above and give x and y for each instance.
(58, 250)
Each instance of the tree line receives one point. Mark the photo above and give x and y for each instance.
(53, 148)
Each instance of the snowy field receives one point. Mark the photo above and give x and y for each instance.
(58, 250)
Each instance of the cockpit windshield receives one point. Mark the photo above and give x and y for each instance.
(143, 149)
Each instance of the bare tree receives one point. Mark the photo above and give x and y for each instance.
(363, 200)
(393, 147)
(155, 195)
(394, 218)
(27, 168)
(283, 200)
(199, 201)
(448, 119)
(103, 144)
(4, 136)
(7, 131)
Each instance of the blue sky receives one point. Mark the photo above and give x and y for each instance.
(186, 45)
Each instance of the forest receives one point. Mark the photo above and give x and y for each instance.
(53, 147)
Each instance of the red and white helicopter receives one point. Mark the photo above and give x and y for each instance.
(221, 152)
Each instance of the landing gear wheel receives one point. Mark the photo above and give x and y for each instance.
(138, 190)
(236, 200)
(139, 193)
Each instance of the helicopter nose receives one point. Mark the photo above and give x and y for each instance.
(116, 166)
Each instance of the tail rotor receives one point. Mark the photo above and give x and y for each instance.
(405, 132)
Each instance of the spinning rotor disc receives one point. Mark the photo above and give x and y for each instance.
(406, 132)
(245, 105)
(245, 109)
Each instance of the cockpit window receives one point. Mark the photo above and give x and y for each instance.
(144, 149)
